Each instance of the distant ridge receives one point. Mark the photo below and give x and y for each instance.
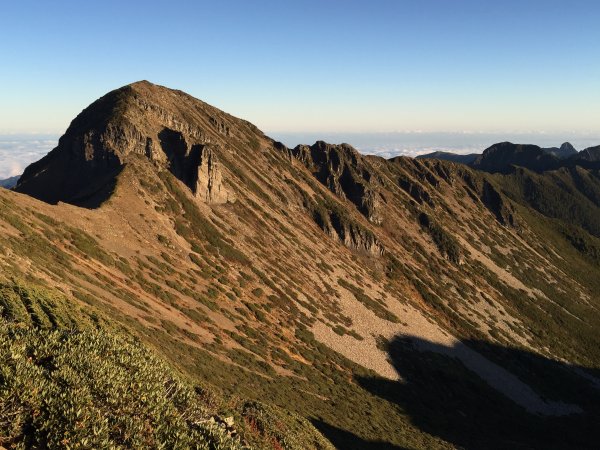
(454, 157)
(504, 156)
(566, 150)
(591, 154)
(10, 183)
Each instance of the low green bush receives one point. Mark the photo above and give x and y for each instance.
(94, 389)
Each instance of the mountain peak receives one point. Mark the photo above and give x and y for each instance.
(565, 151)
(568, 147)
(143, 83)
(171, 128)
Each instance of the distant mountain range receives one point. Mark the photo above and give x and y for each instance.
(9, 183)
(454, 157)
(564, 151)
(505, 156)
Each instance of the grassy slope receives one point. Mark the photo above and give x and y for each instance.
(69, 381)
(323, 384)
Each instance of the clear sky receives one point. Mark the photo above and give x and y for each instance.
(314, 65)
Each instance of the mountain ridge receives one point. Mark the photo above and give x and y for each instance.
(286, 274)
(503, 156)
(10, 182)
(101, 137)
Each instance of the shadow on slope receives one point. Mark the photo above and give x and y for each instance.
(346, 440)
(85, 186)
(446, 399)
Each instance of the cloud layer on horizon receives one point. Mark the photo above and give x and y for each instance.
(16, 152)
(388, 145)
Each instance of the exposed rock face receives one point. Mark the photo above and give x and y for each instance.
(209, 185)
(345, 173)
(196, 165)
(415, 190)
(351, 234)
(170, 128)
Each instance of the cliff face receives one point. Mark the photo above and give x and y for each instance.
(196, 165)
(170, 128)
(344, 172)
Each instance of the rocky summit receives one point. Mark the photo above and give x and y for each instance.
(170, 128)
(174, 270)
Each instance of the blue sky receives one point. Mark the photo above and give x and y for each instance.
(313, 66)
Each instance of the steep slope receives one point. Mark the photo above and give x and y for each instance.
(62, 367)
(289, 274)
(96, 145)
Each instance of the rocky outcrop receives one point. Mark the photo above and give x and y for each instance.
(415, 190)
(338, 224)
(138, 119)
(209, 186)
(354, 236)
(345, 173)
(197, 165)
(351, 234)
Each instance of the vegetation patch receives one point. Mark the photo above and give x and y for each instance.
(446, 243)
(371, 304)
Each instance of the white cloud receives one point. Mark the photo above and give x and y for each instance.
(413, 143)
(17, 152)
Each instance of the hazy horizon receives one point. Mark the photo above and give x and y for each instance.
(18, 150)
(414, 143)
